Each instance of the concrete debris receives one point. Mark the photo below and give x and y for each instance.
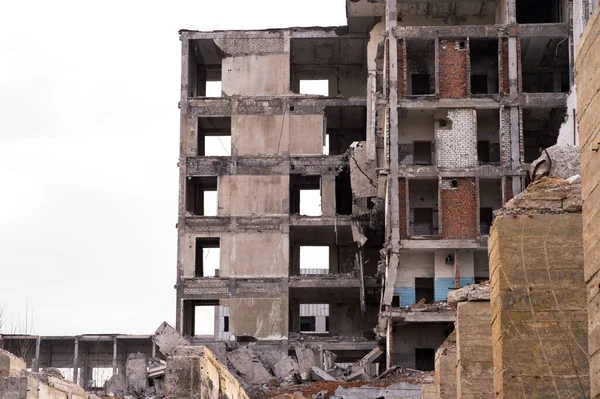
(167, 339)
(547, 195)
(306, 360)
(320, 375)
(136, 370)
(575, 179)
(286, 369)
(473, 292)
(116, 385)
(320, 395)
(358, 375)
(329, 360)
(564, 161)
(248, 366)
(54, 372)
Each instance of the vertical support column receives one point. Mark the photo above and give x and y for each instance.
(75, 361)
(456, 270)
(328, 198)
(115, 353)
(36, 362)
(515, 147)
(389, 345)
(371, 116)
(511, 11)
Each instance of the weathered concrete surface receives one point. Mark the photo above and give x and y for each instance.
(136, 373)
(261, 318)
(306, 360)
(474, 367)
(286, 368)
(10, 364)
(538, 297)
(167, 339)
(249, 368)
(565, 162)
(116, 385)
(402, 390)
(194, 372)
(429, 392)
(473, 292)
(547, 195)
(362, 172)
(251, 75)
(445, 368)
(588, 85)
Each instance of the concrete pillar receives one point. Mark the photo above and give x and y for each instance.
(75, 361)
(328, 195)
(36, 362)
(115, 353)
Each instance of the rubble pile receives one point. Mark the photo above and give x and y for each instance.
(473, 292)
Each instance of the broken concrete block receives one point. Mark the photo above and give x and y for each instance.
(359, 375)
(457, 296)
(320, 395)
(479, 293)
(248, 367)
(306, 359)
(10, 364)
(329, 360)
(320, 375)
(167, 339)
(564, 159)
(136, 372)
(575, 179)
(116, 385)
(286, 368)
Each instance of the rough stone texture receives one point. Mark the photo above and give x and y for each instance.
(459, 210)
(588, 96)
(538, 296)
(429, 392)
(445, 368)
(474, 367)
(402, 73)
(473, 292)
(286, 368)
(136, 372)
(362, 172)
(454, 69)
(249, 368)
(547, 195)
(116, 385)
(196, 373)
(10, 364)
(167, 339)
(503, 66)
(320, 375)
(306, 360)
(565, 162)
(402, 390)
(457, 141)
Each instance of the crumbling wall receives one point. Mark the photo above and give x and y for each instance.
(261, 318)
(538, 296)
(457, 141)
(454, 63)
(588, 83)
(445, 369)
(459, 208)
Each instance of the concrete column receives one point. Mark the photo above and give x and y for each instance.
(515, 146)
(36, 362)
(328, 195)
(115, 353)
(75, 361)
(389, 346)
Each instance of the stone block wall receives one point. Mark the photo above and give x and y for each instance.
(474, 365)
(445, 368)
(454, 66)
(538, 298)
(459, 209)
(457, 141)
(588, 85)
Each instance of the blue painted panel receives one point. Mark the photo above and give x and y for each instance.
(407, 295)
(442, 286)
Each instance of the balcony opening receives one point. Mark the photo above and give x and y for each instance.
(484, 66)
(314, 318)
(545, 65)
(416, 137)
(488, 137)
(314, 260)
(425, 359)
(540, 130)
(424, 289)
(420, 56)
(531, 12)
(343, 193)
(423, 152)
(199, 318)
(490, 199)
(423, 202)
(208, 257)
(345, 125)
(339, 64)
(305, 195)
(204, 68)
(201, 196)
(214, 137)
(482, 266)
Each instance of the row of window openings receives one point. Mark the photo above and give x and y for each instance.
(423, 153)
(425, 287)
(307, 86)
(208, 258)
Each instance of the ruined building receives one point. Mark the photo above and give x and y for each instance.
(411, 125)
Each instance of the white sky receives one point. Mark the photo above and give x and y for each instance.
(89, 136)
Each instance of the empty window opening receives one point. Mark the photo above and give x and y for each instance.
(488, 137)
(314, 318)
(99, 377)
(329, 66)
(200, 316)
(319, 87)
(425, 359)
(204, 73)
(486, 217)
(423, 151)
(226, 324)
(343, 193)
(396, 301)
(545, 65)
(490, 199)
(482, 268)
(345, 125)
(208, 257)
(484, 66)
(314, 260)
(214, 137)
(532, 12)
(420, 67)
(423, 202)
(201, 196)
(326, 145)
(305, 195)
(424, 289)
(540, 130)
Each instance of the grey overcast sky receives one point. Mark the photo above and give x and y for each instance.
(89, 134)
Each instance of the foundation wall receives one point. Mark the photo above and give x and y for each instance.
(588, 83)
(539, 322)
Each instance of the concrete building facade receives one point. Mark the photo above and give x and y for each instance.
(427, 116)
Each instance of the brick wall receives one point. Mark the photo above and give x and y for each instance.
(503, 66)
(457, 142)
(588, 84)
(401, 68)
(459, 208)
(538, 296)
(402, 196)
(508, 189)
(454, 66)
(505, 156)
